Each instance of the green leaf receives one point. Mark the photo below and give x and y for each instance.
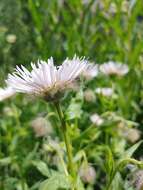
(5, 161)
(55, 182)
(73, 111)
(110, 164)
(128, 153)
(90, 134)
(42, 167)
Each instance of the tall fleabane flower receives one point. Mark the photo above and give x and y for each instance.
(114, 68)
(45, 79)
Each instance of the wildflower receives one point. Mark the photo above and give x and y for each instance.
(96, 119)
(90, 72)
(11, 38)
(41, 127)
(89, 95)
(87, 174)
(114, 68)
(104, 91)
(132, 135)
(45, 79)
(138, 180)
(6, 93)
(74, 86)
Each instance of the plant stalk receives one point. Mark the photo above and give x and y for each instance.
(64, 129)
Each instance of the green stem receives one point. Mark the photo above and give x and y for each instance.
(120, 165)
(23, 184)
(64, 130)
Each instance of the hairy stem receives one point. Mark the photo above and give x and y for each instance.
(64, 129)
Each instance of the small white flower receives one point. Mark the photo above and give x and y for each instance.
(91, 71)
(11, 38)
(46, 79)
(104, 91)
(96, 119)
(114, 68)
(6, 93)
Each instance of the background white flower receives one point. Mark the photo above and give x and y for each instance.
(91, 71)
(104, 91)
(45, 78)
(6, 93)
(96, 119)
(114, 68)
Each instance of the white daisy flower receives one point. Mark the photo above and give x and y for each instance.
(104, 91)
(114, 68)
(91, 71)
(46, 79)
(96, 119)
(6, 93)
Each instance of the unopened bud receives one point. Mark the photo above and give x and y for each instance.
(41, 126)
(87, 174)
(138, 180)
(89, 95)
(11, 38)
(132, 135)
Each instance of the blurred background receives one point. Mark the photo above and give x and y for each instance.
(100, 30)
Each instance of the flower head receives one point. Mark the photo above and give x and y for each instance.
(96, 119)
(6, 93)
(46, 79)
(107, 92)
(114, 68)
(91, 71)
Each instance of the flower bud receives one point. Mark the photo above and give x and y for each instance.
(133, 135)
(138, 180)
(41, 126)
(11, 38)
(89, 95)
(87, 174)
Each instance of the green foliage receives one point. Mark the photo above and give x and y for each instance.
(55, 182)
(101, 31)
